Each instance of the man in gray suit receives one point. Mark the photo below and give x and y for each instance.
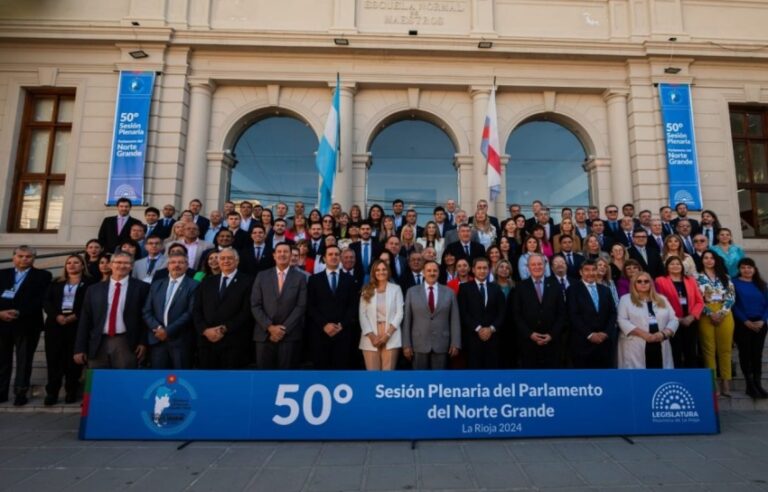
(431, 326)
(168, 315)
(145, 268)
(453, 235)
(278, 303)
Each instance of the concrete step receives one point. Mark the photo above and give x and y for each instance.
(740, 401)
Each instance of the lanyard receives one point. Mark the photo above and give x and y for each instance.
(19, 278)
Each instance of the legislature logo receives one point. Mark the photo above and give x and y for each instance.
(169, 405)
(672, 402)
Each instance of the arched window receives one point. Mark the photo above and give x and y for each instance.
(412, 160)
(275, 162)
(545, 164)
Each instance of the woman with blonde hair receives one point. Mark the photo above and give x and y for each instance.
(431, 237)
(647, 322)
(486, 232)
(673, 246)
(566, 229)
(381, 313)
(407, 240)
(604, 277)
(619, 255)
(591, 248)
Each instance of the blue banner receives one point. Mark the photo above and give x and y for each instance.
(359, 405)
(680, 140)
(129, 141)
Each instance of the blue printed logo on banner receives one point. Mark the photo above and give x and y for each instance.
(679, 137)
(129, 141)
(337, 405)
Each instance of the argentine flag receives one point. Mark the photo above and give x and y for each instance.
(327, 151)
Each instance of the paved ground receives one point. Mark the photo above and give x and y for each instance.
(40, 451)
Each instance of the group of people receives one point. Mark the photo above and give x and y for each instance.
(249, 286)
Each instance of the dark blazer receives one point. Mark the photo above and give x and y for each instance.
(108, 236)
(546, 317)
(325, 306)
(408, 280)
(232, 310)
(54, 298)
(248, 262)
(585, 320)
(621, 237)
(472, 311)
(695, 226)
(271, 238)
(476, 250)
(357, 278)
(202, 225)
(404, 269)
(320, 251)
(573, 269)
(531, 222)
(28, 300)
(286, 308)
(158, 229)
(94, 316)
(654, 266)
(376, 249)
(180, 313)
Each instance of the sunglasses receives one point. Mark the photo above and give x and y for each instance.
(699, 240)
(640, 282)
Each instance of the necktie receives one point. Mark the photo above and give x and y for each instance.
(563, 287)
(629, 238)
(569, 257)
(150, 228)
(169, 294)
(595, 298)
(365, 256)
(280, 282)
(466, 249)
(450, 218)
(334, 282)
(418, 279)
(660, 243)
(120, 224)
(166, 222)
(708, 233)
(224, 283)
(112, 323)
(539, 290)
(482, 293)
(151, 265)
(431, 300)
(258, 253)
(688, 245)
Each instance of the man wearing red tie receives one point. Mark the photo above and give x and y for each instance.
(112, 333)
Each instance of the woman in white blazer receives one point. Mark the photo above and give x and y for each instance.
(647, 322)
(432, 238)
(381, 314)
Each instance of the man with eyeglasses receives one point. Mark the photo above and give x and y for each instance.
(612, 220)
(682, 214)
(685, 231)
(648, 258)
(146, 268)
(700, 245)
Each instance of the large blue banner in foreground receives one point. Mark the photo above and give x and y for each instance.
(680, 141)
(307, 405)
(129, 141)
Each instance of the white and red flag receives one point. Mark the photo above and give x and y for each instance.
(490, 147)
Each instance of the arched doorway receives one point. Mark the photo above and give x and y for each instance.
(275, 162)
(546, 163)
(412, 160)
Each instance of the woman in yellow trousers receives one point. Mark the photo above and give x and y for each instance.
(716, 323)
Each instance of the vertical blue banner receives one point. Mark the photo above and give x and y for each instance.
(129, 141)
(680, 141)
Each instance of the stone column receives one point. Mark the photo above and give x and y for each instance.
(360, 165)
(501, 200)
(480, 95)
(618, 135)
(198, 127)
(463, 164)
(599, 172)
(219, 177)
(342, 186)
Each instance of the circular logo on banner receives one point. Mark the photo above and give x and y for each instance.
(169, 405)
(136, 85)
(675, 97)
(672, 402)
(126, 191)
(684, 196)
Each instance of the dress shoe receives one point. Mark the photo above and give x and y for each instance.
(70, 398)
(20, 400)
(50, 400)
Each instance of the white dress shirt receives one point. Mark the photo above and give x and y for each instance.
(120, 322)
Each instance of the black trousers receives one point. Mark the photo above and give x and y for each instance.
(750, 346)
(59, 352)
(277, 355)
(24, 346)
(533, 356)
(216, 356)
(483, 355)
(685, 345)
(599, 357)
(330, 352)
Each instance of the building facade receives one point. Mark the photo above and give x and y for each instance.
(589, 66)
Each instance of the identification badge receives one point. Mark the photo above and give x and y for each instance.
(652, 320)
(9, 294)
(683, 301)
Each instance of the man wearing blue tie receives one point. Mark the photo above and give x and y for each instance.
(168, 315)
(366, 250)
(592, 315)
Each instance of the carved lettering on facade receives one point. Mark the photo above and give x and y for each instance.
(415, 12)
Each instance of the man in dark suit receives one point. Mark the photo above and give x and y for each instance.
(441, 219)
(656, 236)
(117, 228)
(276, 235)
(665, 213)
(112, 333)
(592, 316)
(465, 247)
(196, 206)
(626, 231)
(544, 220)
(481, 308)
(540, 313)
(682, 213)
(606, 240)
(612, 220)
(257, 256)
(572, 259)
(153, 225)
(22, 290)
(349, 266)
(700, 245)
(167, 220)
(316, 241)
(168, 315)
(414, 274)
(278, 304)
(240, 238)
(222, 315)
(331, 310)
(649, 258)
(399, 264)
(411, 218)
(431, 323)
(366, 250)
